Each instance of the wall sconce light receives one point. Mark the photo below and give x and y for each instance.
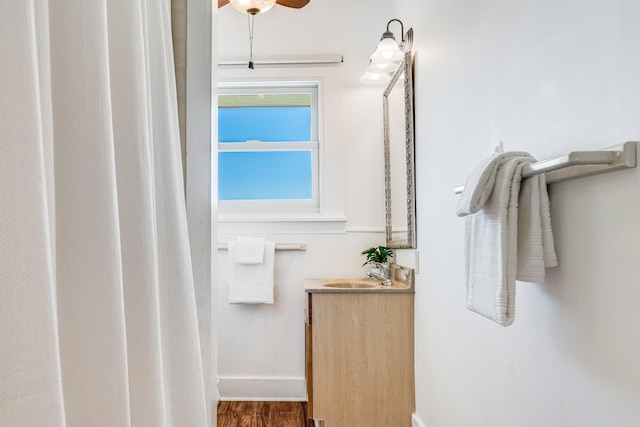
(375, 77)
(386, 58)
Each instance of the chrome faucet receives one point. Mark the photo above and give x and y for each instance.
(381, 278)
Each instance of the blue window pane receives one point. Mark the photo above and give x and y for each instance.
(268, 124)
(260, 175)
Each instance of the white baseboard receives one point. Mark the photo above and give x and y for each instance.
(268, 389)
(416, 421)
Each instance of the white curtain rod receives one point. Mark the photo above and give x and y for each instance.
(310, 60)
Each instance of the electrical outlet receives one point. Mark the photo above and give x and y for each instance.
(416, 261)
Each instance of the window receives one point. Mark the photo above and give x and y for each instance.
(268, 147)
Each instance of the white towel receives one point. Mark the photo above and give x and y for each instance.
(250, 250)
(251, 283)
(535, 238)
(481, 181)
(548, 244)
(491, 242)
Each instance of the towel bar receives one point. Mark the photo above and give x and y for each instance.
(279, 246)
(579, 164)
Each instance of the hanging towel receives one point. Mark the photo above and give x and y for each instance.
(548, 244)
(491, 240)
(251, 283)
(480, 182)
(535, 238)
(250, 250)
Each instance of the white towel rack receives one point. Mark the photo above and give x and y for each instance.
(579, 164)
(279, 246)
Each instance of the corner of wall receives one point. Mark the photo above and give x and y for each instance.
(416, 421)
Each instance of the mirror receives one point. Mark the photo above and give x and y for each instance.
(399, 161)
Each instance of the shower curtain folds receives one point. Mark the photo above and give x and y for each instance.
(98, 314)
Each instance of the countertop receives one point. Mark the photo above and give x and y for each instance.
(403, 280)
(319, 285)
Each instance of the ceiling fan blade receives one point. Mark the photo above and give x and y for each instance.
(296, 4)
(222, 3)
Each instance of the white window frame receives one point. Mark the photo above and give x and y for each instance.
(332, 166)
(276, 206)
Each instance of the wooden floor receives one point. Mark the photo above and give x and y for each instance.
(263, 414)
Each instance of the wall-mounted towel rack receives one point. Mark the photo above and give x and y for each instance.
(279, 246)
(579, 164)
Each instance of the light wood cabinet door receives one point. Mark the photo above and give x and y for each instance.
(361, 349)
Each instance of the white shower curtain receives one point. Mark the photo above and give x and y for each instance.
(97, 309)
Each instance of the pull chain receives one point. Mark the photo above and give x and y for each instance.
(251, 19)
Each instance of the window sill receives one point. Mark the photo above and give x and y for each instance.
(282, 224)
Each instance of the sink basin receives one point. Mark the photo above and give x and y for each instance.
(402, 282)
(351, 284)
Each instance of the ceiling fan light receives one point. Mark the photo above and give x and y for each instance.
(253, 7)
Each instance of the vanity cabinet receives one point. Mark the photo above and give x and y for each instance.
(359, 358)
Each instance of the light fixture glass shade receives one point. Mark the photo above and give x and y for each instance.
(375, 79)
(387, 51)
(382, 67)
(252, 6)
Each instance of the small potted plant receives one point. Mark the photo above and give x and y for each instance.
(378, 256)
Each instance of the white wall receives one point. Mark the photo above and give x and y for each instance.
(261, 348)
(543, 76)
(548, 77)
(201, 219)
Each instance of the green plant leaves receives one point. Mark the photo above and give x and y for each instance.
(377, 255)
